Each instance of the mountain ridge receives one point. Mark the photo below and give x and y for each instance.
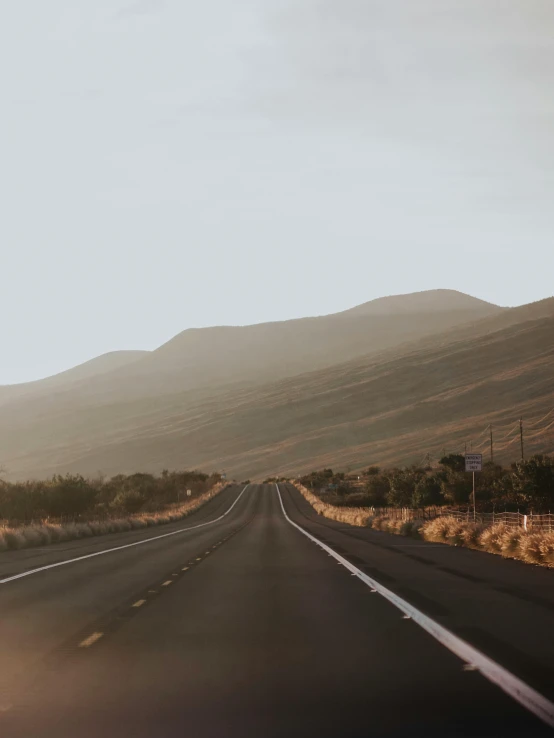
(299, 420)
(201, 357)
(422, 302)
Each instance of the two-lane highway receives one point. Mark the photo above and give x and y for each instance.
(244, 627)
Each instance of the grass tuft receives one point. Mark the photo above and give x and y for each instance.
(492, 537)
(529, 549)
(546, 547)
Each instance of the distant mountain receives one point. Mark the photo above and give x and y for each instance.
(430, 301)
(271, 350)
(383, 406)
(94, 367)
(208, 358)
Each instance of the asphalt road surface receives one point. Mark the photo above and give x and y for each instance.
(245, 627)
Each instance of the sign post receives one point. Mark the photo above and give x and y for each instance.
(474, 463)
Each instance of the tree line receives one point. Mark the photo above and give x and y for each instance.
(75, 496)
(527, 485)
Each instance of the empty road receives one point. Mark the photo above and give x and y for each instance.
(244, 626)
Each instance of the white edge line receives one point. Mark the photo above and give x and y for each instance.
(521, 692)
(119, 548)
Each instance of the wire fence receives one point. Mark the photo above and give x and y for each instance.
(531, 522)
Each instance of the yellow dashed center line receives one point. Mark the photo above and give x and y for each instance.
(90, 640)
(94, 637)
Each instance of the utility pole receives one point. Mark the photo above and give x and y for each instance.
(474, 501)
(492, 447)
(521, 438)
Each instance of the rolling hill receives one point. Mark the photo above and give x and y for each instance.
(239, 355)
(430, 301)
(387, 406)
(96, 367)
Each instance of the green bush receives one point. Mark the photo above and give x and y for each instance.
(533, 480)
(428, 491)
(73, 496)
(527, 486)
(377, 490)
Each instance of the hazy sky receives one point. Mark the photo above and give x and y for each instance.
(169, 163)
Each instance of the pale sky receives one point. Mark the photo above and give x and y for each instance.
(166, 164)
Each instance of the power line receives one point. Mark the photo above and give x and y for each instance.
(510, 433)
(540, 433)
(532, 423)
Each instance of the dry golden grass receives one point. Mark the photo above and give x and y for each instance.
(47, 533)
(532, 548)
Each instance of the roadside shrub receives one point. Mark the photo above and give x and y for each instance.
(438, 529)
(530, 548)
(417, 528)
(130, 500)
(533, 548)
(377, 490)
(138, 523)
(428, 491)
(403, 483)
(511, 540)
(75, 497)
(491, 539)
(56, 532)
(379, 523)
(14, 538)
(38, 535)
(456, 533)
(471, 535)
(526, 486)
(454, 462)
(546, 547)
(533, 480)
(410, 528)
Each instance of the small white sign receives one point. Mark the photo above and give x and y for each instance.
(189, 492)
(474, 462)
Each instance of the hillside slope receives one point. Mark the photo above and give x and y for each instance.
(394, 407)
(100, 365)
